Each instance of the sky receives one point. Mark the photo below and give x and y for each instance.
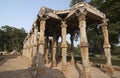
(22, 13)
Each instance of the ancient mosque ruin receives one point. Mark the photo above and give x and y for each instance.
(55, 24)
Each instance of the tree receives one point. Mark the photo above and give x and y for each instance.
(11, 38)
(112, 10)
(76, 1)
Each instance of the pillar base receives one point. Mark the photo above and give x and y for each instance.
(46, 62)
(72, 62)
(85, 75)
(40, 72)
(109, 70)
(64, 68)
(33, 68)
(54, 64)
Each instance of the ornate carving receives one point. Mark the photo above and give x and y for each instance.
(64, 46)
(63, 26)
(84, 44)
(106, 45)
(81, 11)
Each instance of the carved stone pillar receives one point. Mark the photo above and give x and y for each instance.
(41, 45)
(47, 50)
(107, 46)
(64, 46)
(24, 47)
(84, 45)
(72, 47)
(28, 46)
(50, 48)
(34, 56)
(31, 46)
(54, 50)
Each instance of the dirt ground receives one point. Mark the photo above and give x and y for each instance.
(18, 67)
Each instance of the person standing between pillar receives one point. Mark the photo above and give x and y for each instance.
(64, 46)
(107, 47)
(84, 43)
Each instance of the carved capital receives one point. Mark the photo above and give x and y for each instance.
(63, 24)
(34, 25)
(81, 17)
(42, 25)
(80, 12)
(104, 22)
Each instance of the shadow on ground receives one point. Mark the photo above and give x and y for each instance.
(4, 58)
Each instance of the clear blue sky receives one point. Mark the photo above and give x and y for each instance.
(21, 13)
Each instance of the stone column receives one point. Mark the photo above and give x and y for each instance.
(47, 50)
(25, 54)
(24, 47)
(50, 48)
(34, 55)
(41, 45)
(107, 46)
(54, 50)
(72, 47)
(31, 46)
(64, 46)
(84, 45)
(28, 47)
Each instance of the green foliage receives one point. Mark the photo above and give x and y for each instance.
(112, 10)
(76, 1)
(115, 61)
(116, 51)
(11, 38)
(95, 36)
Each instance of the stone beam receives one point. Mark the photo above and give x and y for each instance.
(52, 15)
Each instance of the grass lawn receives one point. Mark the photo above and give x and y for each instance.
(115, 61)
